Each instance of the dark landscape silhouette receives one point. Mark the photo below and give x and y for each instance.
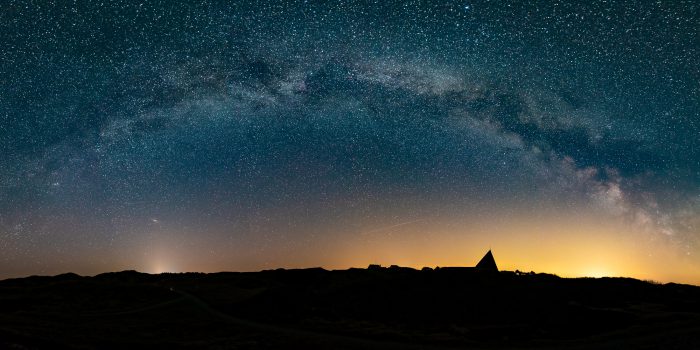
(373, 308)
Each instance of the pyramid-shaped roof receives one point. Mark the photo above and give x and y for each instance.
(487, 263)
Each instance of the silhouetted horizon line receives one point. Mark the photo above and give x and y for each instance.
(370, 267)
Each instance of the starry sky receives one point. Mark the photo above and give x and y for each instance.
(248, 135)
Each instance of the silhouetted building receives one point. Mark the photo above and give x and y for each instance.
(374, 267)
(487, 263)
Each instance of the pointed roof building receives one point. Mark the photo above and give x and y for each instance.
(487, 263)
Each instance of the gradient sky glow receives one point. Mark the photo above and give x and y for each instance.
(246, 135)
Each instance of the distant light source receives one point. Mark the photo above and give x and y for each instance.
(597, 272)
(162, 267)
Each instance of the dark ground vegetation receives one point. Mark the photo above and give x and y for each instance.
(379, 308)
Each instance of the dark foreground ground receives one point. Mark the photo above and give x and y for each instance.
(393, 308)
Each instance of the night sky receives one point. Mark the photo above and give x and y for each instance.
(247, 135)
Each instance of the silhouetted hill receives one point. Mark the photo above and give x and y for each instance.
(372, 308)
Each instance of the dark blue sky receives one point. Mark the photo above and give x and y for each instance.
(246, 135)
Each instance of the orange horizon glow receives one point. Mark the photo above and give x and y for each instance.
(568, 245)
(573, 268)
(571, 245)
